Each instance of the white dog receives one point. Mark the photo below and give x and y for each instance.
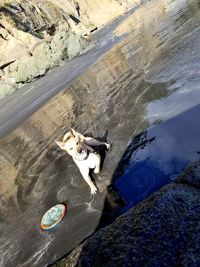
(79, 147)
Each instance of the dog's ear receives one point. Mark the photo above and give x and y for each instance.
(76, 134)
(73, 132)
(66, 136)
(60, 144)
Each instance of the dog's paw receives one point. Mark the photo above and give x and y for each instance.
(94, 190)
(108, 146)
(96, 171)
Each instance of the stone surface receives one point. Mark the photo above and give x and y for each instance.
(161, 231)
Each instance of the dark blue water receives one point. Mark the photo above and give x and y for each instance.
(155, 157)
(158, 155)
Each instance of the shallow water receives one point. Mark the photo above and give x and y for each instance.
(141, 84)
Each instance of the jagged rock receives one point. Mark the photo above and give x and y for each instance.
(75, 45)
(23, 24)
(30, 67)
(163, 230)
(65, 45)
(36, 36)
(32, 41)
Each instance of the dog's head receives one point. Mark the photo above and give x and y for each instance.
(73, 143)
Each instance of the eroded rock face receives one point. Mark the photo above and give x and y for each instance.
(161, 231)
(36, 36)
(64, 45)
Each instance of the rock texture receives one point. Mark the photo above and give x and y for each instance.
(36, 36)
(161, 231)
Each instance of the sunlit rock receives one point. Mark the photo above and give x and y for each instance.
(36, 36)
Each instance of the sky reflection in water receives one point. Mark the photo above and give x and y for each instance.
(158, 162)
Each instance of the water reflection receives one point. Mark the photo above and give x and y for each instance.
(159, 155)
(176, 143)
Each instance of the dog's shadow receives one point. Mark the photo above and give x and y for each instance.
(101, 150)
(113, 201)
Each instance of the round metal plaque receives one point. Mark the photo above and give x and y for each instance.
(53, 216)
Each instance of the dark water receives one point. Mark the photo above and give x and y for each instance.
(141, 84)
(157, 155)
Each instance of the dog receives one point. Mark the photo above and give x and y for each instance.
(80, 149)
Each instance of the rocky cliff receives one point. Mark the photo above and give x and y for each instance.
(36, 36)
